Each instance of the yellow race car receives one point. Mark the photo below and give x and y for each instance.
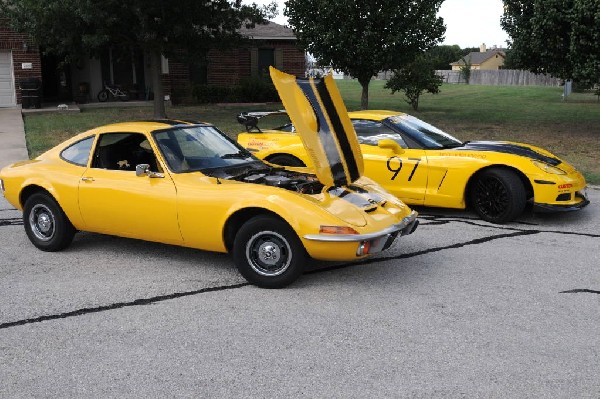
(422, 165)
(188, 184)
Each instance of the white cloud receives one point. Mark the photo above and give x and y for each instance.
(468, 22)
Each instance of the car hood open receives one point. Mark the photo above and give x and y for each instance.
(316, 109)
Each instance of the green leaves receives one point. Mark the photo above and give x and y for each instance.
(415, 78)
(559, 37)
(362, 38)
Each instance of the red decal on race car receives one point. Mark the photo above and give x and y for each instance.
(563, 186)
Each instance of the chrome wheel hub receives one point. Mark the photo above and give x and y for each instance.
(41, 221)
(268, 253)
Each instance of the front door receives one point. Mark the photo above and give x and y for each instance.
(113, 200)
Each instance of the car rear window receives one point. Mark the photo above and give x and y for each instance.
(79, 152)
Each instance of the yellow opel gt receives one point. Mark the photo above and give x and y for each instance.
(422, 165)
(188, 184)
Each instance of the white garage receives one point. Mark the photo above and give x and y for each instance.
(7, 80)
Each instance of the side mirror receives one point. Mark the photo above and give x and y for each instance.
(143, 169)
(391, 145)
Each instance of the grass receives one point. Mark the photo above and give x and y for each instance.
(535, 115)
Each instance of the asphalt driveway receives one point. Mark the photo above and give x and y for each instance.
(461, 308)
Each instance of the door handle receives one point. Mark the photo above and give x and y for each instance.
(87, 179)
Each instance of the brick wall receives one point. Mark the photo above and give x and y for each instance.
(10, 40)
(228, 67)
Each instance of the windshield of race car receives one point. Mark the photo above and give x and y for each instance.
(427, 135)
(197, 148)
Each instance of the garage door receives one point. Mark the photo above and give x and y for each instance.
(7, 82)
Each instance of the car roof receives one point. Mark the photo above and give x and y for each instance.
(152, 124)
(375, 115)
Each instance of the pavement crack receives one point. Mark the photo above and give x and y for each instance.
(11, 222)
(120, 305)
(476, 241)
(580, 290)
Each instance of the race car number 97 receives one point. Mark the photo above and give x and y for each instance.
(394, 165)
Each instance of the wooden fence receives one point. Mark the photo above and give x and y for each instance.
(508, 77)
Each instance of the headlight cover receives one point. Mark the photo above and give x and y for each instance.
(549, 168)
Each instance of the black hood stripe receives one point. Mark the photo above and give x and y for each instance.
(507, 148)
(338, 130)
(334, 158)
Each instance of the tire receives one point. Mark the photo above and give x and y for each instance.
(46, 225)
(498, 195)
(286, 160)
(268, 253)
(103, 96)
(124, 97)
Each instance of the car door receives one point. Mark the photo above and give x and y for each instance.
(401, 170)
(113, 200)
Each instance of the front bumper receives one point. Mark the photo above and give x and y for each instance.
(371, 243)
(580, 196)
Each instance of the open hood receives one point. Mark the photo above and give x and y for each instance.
(320, 118)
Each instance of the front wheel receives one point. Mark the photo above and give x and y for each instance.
(268, 253)
(46, 225)
(124, 97)
(103, 96)
(498, 195)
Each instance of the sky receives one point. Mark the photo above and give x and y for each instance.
(469, 23)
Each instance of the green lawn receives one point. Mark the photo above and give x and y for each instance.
(535, 115)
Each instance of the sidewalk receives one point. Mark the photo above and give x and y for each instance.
(12, 137)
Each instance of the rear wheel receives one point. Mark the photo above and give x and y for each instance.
(46, 225)
(498, 195)
(286, 160)
(103, 96)
(268, 253)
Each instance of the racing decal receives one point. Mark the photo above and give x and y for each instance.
(507, 148)
(316, 109)
(394, 165)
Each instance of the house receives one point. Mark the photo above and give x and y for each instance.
(81, 81)
(19, 60)
(484, 59)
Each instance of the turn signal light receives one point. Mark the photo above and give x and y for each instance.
(337, 230)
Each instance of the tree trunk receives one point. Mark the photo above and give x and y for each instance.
(364, 98)
(159, 92)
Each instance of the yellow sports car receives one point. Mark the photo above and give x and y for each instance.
(423, 165)
(188, 184)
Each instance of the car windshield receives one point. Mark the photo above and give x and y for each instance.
(425, 134)
(198, 148)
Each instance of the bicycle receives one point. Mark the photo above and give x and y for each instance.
(113, 91)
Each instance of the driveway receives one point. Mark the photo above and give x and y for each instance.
(461, 308)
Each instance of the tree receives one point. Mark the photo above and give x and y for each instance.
(465, 69)
(559, 37)
(442, 56)
(415, 78)
(362, 38)
(74, 29)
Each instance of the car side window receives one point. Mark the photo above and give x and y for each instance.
(123, 151)
(79, 152)
(370, 132)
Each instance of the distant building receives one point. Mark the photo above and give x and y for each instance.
(484, 59)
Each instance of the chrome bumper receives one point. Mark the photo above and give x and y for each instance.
(406, 226)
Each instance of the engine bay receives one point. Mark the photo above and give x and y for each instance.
(294, 181)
